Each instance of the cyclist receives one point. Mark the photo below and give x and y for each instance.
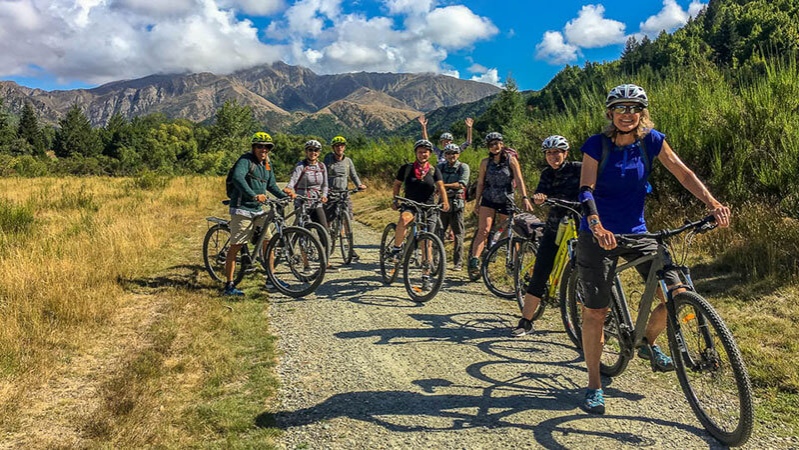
(446, 138)
(340, 169)
(613, 188)
(455, 175)
(561, 180)
(421, 180)
(309, 179)
(499, 174)
(251, 177)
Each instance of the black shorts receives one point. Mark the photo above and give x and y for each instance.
(502, 208)
(597, 267)
(432, 217)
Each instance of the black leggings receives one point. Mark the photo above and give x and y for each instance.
(544, 260)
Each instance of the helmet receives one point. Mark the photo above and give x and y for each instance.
(494, 136)
(555, 141)
(446, 136)
(313, 143)
(261, 138)
(452, 148)
(423, 143)
(627, 93)
(338, 140)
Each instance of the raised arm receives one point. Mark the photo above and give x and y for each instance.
(423, 121)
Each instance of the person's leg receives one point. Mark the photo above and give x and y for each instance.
(544, 260)
(355, 256)
(230, 262)
(456, 224)
(406, 217)
(241, 229)
(484, 222)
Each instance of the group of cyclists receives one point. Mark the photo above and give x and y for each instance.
(610, 183)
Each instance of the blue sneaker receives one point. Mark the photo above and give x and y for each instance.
(663, 362)
(232, 291)
(594, 402)
(271, 287)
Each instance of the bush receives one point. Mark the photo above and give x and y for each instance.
(150, 181)
(15, 219)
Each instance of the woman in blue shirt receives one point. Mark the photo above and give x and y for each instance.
(613, 189)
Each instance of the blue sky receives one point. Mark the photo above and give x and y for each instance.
(66, 44)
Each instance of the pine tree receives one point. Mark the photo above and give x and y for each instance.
(75, 135)
(29, 131)
(7, 134)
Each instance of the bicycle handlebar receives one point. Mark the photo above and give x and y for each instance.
(698, 226)
(565, 204)
(417, 204)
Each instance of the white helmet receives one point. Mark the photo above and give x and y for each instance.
(314, 144)
(555, 141)
(423, 143)
(627, 93)
(452, 148)
(446, 137)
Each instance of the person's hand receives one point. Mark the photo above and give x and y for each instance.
(469, 122)
(288, 190)
(261, 198)
(527, 205)
(362, 187)
(394, 205)
(539, 198)
(324, 199)
(422, 120)
(605, 238)
(722, 215)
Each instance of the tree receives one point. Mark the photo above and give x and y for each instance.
(75, 136)
(29, 131)
(232, 129)
(7, 133)
(507, 114)
(115, 135)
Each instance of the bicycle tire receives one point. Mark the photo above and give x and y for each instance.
(615, 355)
(571, 305)
(302, 254)
(335, 231)
(523, 275)
(346, 244)
(215, 247)
(415, 265)
(498, 270)
(322, 235)
(389, 267)
(715, 364)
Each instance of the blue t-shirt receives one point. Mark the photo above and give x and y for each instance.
(621, 187)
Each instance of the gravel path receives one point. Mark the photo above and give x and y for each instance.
(364, 367)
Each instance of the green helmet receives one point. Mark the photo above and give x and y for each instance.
(338, 140)
(261, 138)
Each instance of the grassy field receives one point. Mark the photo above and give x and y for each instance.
(113, 335)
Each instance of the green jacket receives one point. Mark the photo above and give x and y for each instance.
(248, 185)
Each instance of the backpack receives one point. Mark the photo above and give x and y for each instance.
(230, 187)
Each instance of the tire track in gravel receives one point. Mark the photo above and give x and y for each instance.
(364, 367)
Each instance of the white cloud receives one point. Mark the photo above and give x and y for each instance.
(254, 7)
(555, 50)
(410, 7)
(477, 68)
(490, 76)
(591, 29)
(457, 27)
(672, 16)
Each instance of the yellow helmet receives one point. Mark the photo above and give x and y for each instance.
(261, 138)
(338, 140)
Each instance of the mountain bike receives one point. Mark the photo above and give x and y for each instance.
(341, 224)
(302, 214)
(295, 261)
(498, 230)
(422, 256)
(511, 252)
(709, 366)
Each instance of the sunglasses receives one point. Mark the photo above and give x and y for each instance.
(315, 150)
(450, 153)
(627, 109)
(554, 152)
(266, 146)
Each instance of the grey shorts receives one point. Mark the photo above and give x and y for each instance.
(242, 227)
(596, 268)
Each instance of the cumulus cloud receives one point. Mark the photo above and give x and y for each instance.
(672, 16)
(490, 76)
(555, 50)
(591, 29)
(96, 41)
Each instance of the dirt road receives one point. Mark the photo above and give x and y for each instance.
(363, 367)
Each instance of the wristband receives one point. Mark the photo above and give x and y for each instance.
(586, 198)
(592, 223)
(525, 197)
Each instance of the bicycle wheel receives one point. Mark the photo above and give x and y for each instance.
(499, 267)
(215, 247)
(424, 267)
(614, 357)
(571, 305)
(389, 265)
(523, 275)
(322, 235)
(711, 371)
(345, 242)
(295, 262)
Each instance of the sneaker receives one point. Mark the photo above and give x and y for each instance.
(271, 287)
(426, 284)
(394, 253)
(663, 362)
(355, 257)
(524, 328)
(594, 402)
(474, 266)
(457, 267)
(232, 291)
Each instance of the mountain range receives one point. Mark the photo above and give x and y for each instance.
(282, 97)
